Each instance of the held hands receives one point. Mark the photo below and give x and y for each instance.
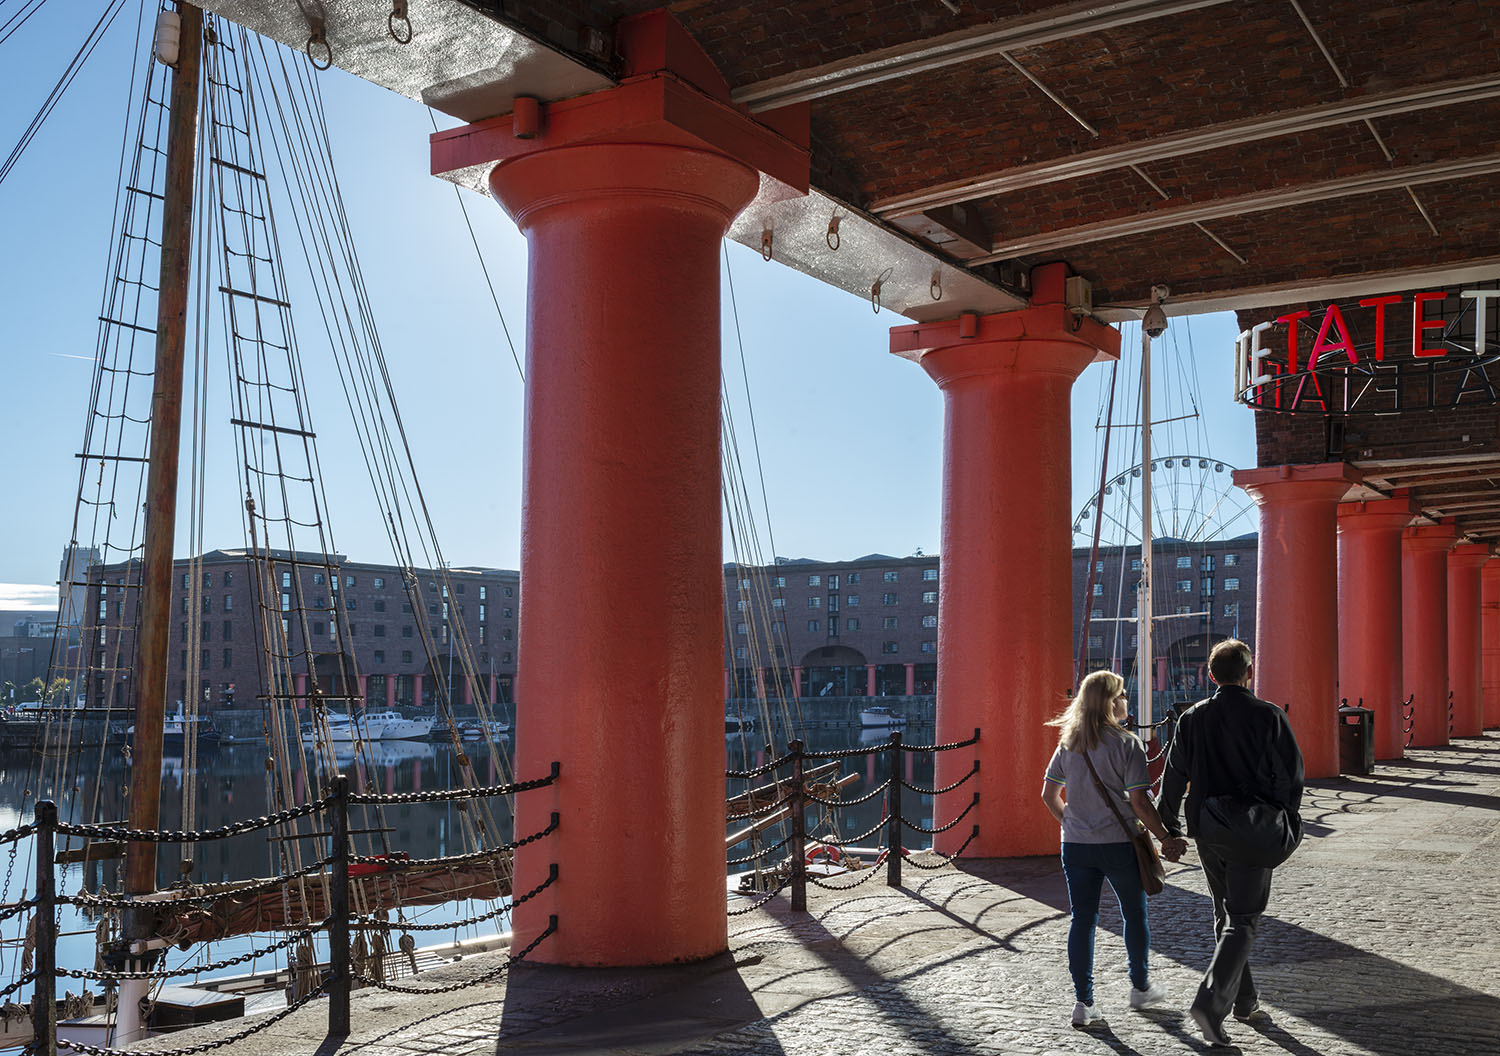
(1173, 848)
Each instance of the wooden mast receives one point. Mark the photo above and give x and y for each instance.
(150, 694)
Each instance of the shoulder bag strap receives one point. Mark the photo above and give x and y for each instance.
(1108, 799)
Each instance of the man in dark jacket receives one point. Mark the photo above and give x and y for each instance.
(1232, 745)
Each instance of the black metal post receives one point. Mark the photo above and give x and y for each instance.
(44, 1003)
(797, 806)
(338, 913)
(893, 823)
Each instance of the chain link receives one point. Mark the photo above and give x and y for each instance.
(89, 901)
(399, 864)
(15, 835)
(947, 788)
(762, 900)
(22, 980)
(944, 828)
(109, 832)
(760, 854)
(207, 1046)
(758, 811)
(191, 969)
(447, 795)
(947, 859)
(868, 873)
(846, 753)
(852, 802)
(834, 841)
(385, 925)
(765, 768)
(940, 747)
(17, 909)
(449, 988)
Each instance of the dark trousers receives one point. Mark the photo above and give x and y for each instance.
(1240, 896)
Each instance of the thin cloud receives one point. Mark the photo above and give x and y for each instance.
(27, 596)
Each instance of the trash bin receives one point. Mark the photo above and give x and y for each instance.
(1356, 740)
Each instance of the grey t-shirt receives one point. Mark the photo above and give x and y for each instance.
(1120, 758)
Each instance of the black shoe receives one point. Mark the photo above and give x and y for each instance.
(1250, 1012)
(1213, 1031)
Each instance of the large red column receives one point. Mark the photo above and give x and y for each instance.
(1005, 610)
(1489, 654)
(624, 197)
(1464, 639)
(1424, 629)
(1369, 540)
(1297, 601)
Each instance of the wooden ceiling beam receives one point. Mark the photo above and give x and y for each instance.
(1394, 178)
(934, 53)
(1195, 141)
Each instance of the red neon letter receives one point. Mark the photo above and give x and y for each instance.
(1379, 303)
(1418, 324)
(1333, 318)
(1291, 338)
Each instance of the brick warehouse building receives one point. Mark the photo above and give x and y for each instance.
(868, 627)
(383, 639)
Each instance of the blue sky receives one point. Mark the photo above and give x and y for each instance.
(850, 436)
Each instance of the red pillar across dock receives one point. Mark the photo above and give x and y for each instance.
(911, 679)
(1369, 540)
(1297, 600)
(1424, 629)
(1005, 611)
(390, 689)
(870, 680)
(1464, 637)
(1489, 662)
(416, 691)
(624, 197)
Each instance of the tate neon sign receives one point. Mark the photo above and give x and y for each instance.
(1348, 361)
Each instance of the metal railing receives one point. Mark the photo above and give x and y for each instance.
(791, 796)
(341, 976)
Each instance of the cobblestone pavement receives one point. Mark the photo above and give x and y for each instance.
(1380, 941)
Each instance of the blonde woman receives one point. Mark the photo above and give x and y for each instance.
(1094, 845)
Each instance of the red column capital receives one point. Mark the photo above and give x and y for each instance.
(1469, 555)
(1426, 537)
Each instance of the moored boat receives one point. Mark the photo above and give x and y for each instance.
(879, 717)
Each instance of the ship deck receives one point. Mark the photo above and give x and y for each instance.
(1377, 943)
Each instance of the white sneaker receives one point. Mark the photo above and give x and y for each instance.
(1086, 1015)
(1153, 995)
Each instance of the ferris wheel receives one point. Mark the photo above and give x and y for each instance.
(1193, 499)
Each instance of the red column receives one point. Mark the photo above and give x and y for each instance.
(1489, 585)
(1297, 601)
(299, 683)
(911, 679)
(468, 693)
(796, 682)
(1005, 610)
(1370, 614)
(1424, 629)
(491, 686)
(624, 197)
(870, 681)
(760, 683)
(416, 691)
(364, 683)
(1161, 674)
(390, 689)
(1464, 639)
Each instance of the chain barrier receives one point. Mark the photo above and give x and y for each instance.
(764, 768)
(449, 988)
(447, 795)
(852, 841)
(100, 900)
(207, 1046)
(946, 788)
(877, 790)
(399, 864)
(868, 873)
(16, 909)
(15, 835)
(21, 980)
(778, 889)
(404, 925)
(947, 859)
(758, 811)
(845, 753)
(944, 828)
(747, 859)
(1409, 718)
(109, 832)
(191, 969)
(950, 746)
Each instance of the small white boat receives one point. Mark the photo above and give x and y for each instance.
(736, 723)
(393, 726)
(343, 730)
(475, 731)
(880, 717)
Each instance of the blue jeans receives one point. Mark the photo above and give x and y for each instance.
(1085, 867)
